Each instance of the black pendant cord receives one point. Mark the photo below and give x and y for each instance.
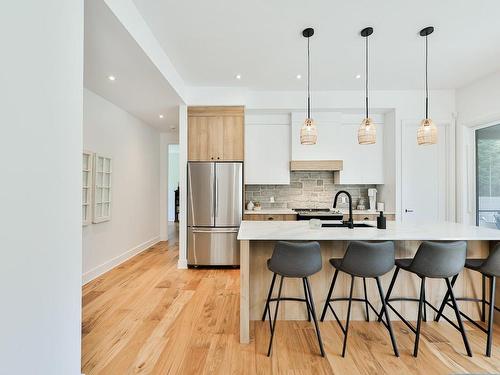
(366, 74)
(308, 81)
(426, 79)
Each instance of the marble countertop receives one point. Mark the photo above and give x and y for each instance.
(300, 230)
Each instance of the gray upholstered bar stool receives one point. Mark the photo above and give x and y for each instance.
(293, 260)
(489, 268)
(434, 260)
(365, 260)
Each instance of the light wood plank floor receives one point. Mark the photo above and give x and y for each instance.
(148, 317)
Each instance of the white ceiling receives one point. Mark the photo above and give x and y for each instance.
(209, 42)
(139, 88)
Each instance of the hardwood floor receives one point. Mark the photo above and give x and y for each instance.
(148, 317)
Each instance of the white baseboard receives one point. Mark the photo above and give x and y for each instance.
(112, 263)
(182, 264)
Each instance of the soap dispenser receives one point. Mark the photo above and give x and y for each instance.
(381, 221)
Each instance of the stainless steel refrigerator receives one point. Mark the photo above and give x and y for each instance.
(215, 208)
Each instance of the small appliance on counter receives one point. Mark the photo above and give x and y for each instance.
(372, 195)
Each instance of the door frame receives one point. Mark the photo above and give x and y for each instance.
(448, 125)
(472, 159)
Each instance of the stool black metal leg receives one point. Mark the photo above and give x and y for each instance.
(269, 297)
(459, 318)
(329, 294)
(389, 291)
(489, 339)
(445, 300)
(483, 299)
(424, 313)
(389, 325)
(366, 301)
(419, 318)
(313, 313)
(307, 299)
(275, 317)
(348, 317)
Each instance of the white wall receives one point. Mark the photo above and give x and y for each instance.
(477, 106)
(40, 160)
(135, 151)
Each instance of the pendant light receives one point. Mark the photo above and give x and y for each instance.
(308, 132)
(367, 132)
(427, 132)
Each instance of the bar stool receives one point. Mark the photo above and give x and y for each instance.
(489, 267)
(293, 260)
(434, 260)
(365, 260)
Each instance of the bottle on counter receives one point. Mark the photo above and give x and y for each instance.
(381, 221)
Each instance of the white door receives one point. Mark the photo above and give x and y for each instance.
(424, 171)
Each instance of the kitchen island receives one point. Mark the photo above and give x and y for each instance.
(257, 240)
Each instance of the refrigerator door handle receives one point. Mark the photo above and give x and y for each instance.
(216, 203)
(215, 230)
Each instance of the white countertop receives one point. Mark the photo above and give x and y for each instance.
(289, 211)
(299, 230)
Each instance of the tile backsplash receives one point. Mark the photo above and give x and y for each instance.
(306, 190)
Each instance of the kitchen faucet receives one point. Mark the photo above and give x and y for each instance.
(349, 222)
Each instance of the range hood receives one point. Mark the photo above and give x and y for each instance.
(316, 165)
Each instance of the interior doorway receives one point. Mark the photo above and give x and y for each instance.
(173, 192)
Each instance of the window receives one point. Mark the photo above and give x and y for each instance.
(488, 177)
(102, 188)
(86, 187)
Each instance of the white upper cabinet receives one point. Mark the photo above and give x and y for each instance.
(267, 149)
(363, 164)
(338, 140)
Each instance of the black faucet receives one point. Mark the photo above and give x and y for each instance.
(349, 222)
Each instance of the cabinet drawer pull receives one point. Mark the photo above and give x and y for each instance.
(270, 218)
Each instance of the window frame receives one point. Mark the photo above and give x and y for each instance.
(87, 201)
(100, 184)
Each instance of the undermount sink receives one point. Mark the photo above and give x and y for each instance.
(342, 225)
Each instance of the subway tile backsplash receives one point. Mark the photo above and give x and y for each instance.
(306, 190)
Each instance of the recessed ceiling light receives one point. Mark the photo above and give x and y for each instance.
(358, 76)
(112, 78)
(299, 76)
(237, 76)
(160, 116)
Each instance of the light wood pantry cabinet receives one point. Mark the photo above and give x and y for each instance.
(216, 133)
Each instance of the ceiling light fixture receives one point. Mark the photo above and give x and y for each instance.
(367, 132)
(237, 76)
(308, 132)
(427, 132)
(358, 76)
(299, 76)
(161, 116)
(112, 78)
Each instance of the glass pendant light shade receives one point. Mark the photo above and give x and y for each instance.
(427, 133)
(367, 132)
(308, 133)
